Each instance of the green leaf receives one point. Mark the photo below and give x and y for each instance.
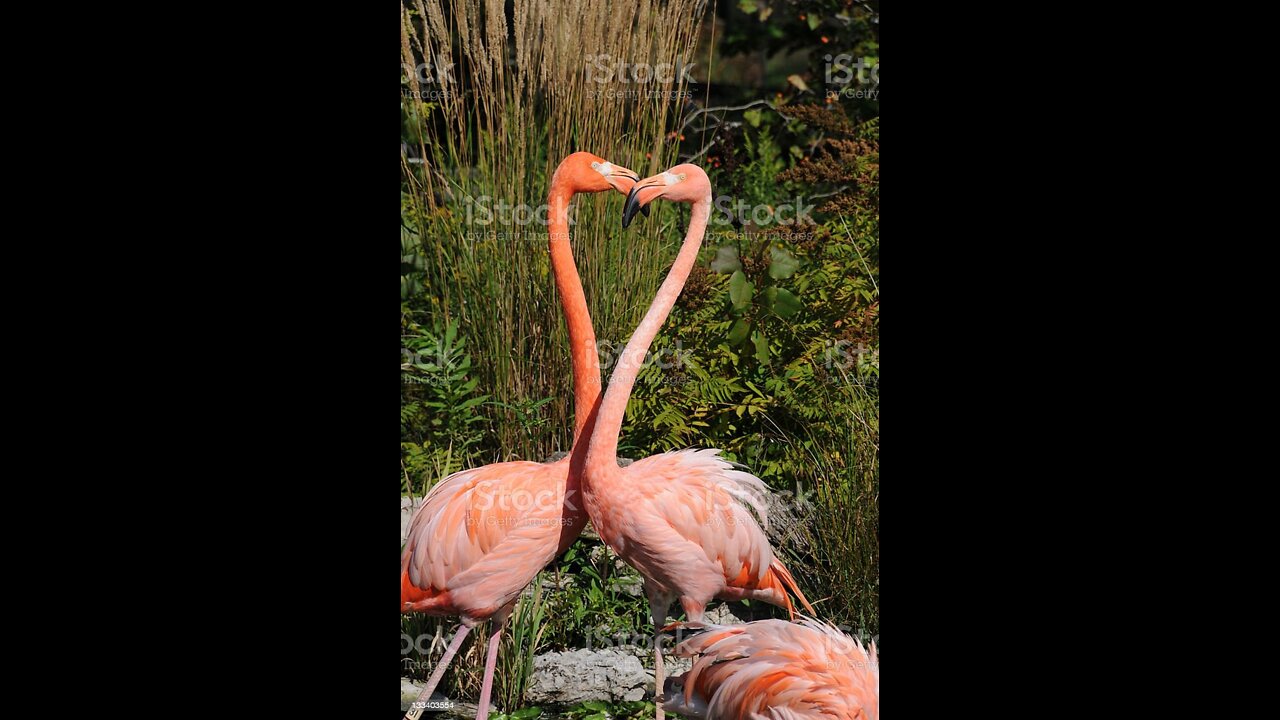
(753, 117)
(726, 260)
(782, 264)
(747, 6)
(525, 714)
(740, 290)
(814, 21)
(409, 286)
(738, 332)
(596, 705)
(786, 304)
(762, 346)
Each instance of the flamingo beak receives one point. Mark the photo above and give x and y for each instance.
(623, 180)
(635, 203)
(627, 181)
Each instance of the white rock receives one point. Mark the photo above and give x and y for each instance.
(570, 678)
(720, 615)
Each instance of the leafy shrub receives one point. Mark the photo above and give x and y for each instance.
(440, 426)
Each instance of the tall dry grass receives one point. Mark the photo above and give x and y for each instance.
(518, 100)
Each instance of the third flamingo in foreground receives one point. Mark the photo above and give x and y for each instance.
(776, 670)
(683, 519)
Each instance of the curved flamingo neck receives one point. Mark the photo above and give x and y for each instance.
(582, 336)
(603, 453)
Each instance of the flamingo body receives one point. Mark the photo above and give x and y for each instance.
(776, 670)
(687, 521)
(482, 535)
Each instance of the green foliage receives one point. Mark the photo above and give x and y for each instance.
(528, 416)
(593, 605)
(529, 713)
(764, 360)
(440, 424)
(757, 177)
(597, 710)
(412, 263)
(805, 42)
(520, 645)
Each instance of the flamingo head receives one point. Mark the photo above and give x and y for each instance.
(683, 183)
(590, 173)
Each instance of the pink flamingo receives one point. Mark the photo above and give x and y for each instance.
(482, 535)
(680, 518)
(776, 670)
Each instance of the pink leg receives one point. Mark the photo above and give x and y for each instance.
(658, 674)
(658, 606)
(415, 710)
(482, 712)
(693, 611)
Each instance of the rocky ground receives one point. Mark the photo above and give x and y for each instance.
(569, 678)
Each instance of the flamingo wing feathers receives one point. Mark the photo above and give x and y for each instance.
(777, 670)
(481, 536)
(714, 510)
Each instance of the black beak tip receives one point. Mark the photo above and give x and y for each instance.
(630, 209)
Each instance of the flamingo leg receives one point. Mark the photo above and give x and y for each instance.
(482, 712)
(491, 661)
(415, 710)
(658, 607)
